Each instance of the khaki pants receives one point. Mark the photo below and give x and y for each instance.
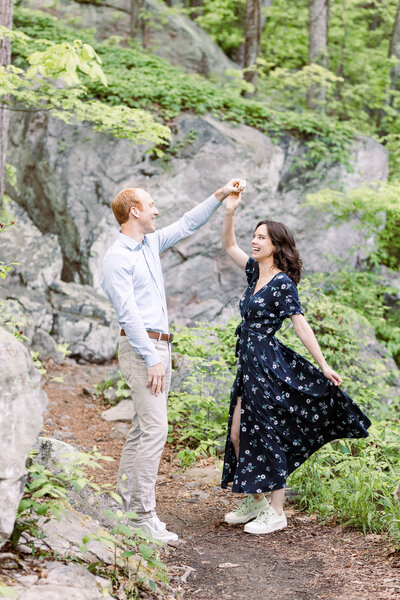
(144, 444)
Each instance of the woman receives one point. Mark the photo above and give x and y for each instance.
(282, 407)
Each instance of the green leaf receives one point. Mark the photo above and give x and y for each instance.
(146, 551)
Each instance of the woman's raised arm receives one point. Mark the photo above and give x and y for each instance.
(228, 232)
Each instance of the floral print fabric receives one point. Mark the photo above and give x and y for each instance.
(289, 409)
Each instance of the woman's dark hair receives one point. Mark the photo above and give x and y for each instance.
(286, 255)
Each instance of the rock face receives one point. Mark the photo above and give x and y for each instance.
(169, 35)
(22, 403)
(74, 187)
(60, 581)
(38, 256)
(84, 321)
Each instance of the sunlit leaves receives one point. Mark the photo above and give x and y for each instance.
(65, 60)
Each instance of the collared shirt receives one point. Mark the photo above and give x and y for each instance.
(133, 280)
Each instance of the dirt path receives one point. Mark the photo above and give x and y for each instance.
(306, 561)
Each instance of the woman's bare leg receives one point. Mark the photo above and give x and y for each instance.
(235, 427)
(235, 435)
(277, 499)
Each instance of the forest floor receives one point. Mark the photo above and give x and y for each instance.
(213, 561)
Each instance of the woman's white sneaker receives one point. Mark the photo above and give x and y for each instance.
(267, 521)
(247, 510)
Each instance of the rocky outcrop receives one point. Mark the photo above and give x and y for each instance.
(84, 321)
(169, 35)
(37, 255)
(22, 403)
(60, 581)
(70, 197)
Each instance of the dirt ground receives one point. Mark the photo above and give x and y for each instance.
(214, 561)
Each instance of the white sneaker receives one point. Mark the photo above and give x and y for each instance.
(156, 529)
(266, 522)
(247, 510)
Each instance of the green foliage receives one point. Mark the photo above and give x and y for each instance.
(45, 496)
(359, 33)
(45, 490)
(37, 362)
(65, 60)
(6, 268)
(197, 415)
(357, 81)
(377, 209)
(139, 80)
(113, 389)
(128, 543)
(223, 20)
(69, 62)
(353, 481)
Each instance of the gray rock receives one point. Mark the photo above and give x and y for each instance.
(182, 368)
(16, 319)
(64, 536)
(22, 404)
(44, 344)
(25, 310)
(120, 431)
(51, 452)
(123, 411)
(169, 35)
(205, 475)
(84, 320)
(67, 581)
(200, 279)
(38, 255)
(57, 455)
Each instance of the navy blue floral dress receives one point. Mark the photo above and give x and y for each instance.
(289, 408)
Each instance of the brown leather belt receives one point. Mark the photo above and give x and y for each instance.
(156, 335)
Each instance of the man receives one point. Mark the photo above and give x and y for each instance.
(133, 281)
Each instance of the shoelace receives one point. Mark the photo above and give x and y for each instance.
(264, 516)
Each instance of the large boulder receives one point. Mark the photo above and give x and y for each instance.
(84, 320)
(37, 255)
(169, 34)
(74, 188)
(59, 581)
(25, 310)
(22, 404)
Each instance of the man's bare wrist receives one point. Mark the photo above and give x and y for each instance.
(220, 195)
(229, 212)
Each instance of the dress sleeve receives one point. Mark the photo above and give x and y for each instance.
(252, 270)
(286, 297)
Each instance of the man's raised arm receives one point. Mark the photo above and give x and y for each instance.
(198, 216)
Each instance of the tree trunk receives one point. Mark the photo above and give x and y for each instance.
(318, 46)
(252, 41)
(394, 50)
(394, 77)
(6, 13)
(137, 24)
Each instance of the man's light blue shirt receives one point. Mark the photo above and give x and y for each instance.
(133, 280)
